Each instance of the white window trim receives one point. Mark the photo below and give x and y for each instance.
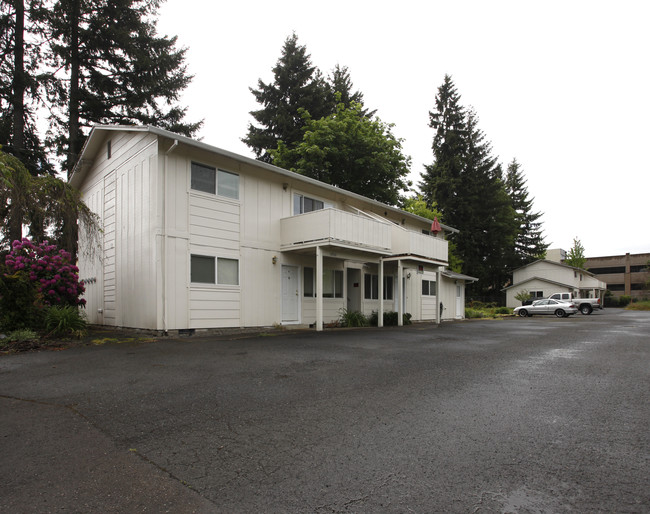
(215, 284)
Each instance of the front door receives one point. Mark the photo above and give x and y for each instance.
(459, 301)
(290, 294)
(354, 290)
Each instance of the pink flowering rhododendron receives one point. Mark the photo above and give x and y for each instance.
(55, 277)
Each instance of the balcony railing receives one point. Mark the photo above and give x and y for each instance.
(407, 242)
(331, 226)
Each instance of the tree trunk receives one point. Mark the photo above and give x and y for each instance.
(73, 107)
(18, 99)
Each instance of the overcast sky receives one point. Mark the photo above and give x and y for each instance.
(562, 86)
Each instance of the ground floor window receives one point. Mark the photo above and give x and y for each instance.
(206, 269)
(371, 287)
(536, 294)
(429, 288)
(332, 283)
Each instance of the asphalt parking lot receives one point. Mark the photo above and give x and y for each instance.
(518, 415)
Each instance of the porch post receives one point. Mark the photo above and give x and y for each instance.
(380, 293)
(319, 289)
(400, 298)
(438, 294)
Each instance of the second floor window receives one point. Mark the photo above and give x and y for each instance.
(214, 181)
(303, 204)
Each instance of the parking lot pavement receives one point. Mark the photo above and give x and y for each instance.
(521, 415)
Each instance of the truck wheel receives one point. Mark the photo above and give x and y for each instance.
(523, 313)
(560, 313)
(586, 309)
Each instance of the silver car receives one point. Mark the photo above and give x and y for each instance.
(559, 309)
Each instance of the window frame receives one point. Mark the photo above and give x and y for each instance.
(220, 189)
(371, 287)
(429, 287)
(215, 270)
(309, 283)
(299, 203)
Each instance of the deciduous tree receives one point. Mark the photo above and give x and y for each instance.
(44, 204)
(350, 151)
(576, 255)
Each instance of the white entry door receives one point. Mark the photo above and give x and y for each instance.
(459, 302)
(290, 294)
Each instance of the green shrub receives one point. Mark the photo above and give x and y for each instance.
(474, 313)
(353, 318)
(390, 318)
(643, 305)
(18, 336)
(611, 301)
(503, 310)
(65, 320)
(21, 305)
(624, 300)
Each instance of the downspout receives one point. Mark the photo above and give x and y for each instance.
(400, 294)
(163, 257)
(380, 293)
(438, 295)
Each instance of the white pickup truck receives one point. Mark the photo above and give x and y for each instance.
(584, 305)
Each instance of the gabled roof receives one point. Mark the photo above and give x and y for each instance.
(458, 276)
(555, 263)
(541, 279)
(96, 139)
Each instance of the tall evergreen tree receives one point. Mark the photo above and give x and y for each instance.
(529, 242)
(442, 179)
(297, 85)
(21, 30)
(114, 68)
(488, 230)
(341, 90)
(466, 183)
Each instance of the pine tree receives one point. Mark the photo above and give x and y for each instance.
(488, 228)
(441, 180)
(466, 183)
(21, 28)
(116, 69)
(340, 90)
(529, 243)
(297, 86)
